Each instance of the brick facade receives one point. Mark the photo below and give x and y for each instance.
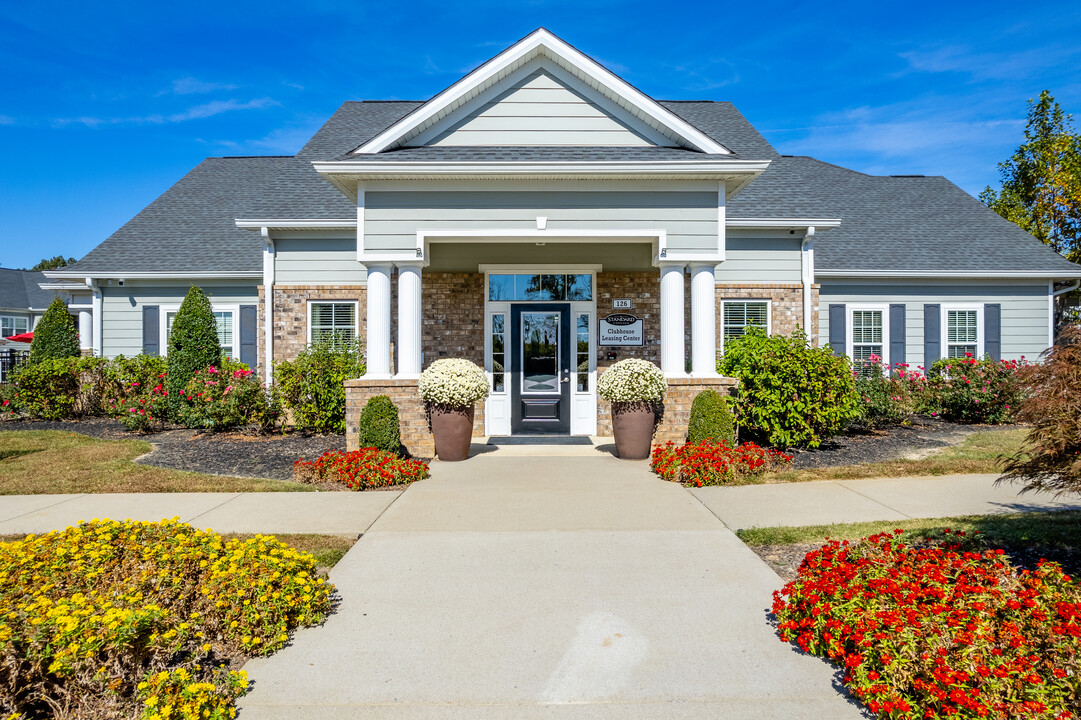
(644, 290)
(786, 305)
(290, 313)
(453, 316)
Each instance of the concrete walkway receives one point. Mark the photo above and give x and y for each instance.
(562, 587)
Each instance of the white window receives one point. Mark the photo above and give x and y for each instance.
(226, 317)
(868, 336)
(13, 325)
(332, 319)
(738, 315)
(962, 330)
(498, 340)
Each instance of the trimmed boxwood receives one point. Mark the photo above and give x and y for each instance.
(378, 425)
(55, 336)
(711, 418)
(193, 343)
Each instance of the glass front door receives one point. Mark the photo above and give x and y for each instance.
(540, 369)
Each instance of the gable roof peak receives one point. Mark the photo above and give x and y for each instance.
(542, 44)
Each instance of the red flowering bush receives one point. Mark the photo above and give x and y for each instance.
(361, 469)
(887, 397)
(937, 632)
(713, 462)
(227, 397)
(141, 409)
(969, 390)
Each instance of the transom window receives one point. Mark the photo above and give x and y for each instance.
(962, 333)
(738, 316)
(541, 288)
(226, 321)
(326, 320)
(13, 325)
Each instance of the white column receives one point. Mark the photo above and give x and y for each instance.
(86, 330)
(703, 320)
(377, 343)
(672, 339)
(409, 320)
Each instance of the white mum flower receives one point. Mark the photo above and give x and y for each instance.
(632, 380)
(454, 382)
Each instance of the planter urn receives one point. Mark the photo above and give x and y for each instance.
(632, 425)
(452, 428)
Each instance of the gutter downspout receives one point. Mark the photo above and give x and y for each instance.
(99, 321)
(268, 306)
(807, 265)
(1051, 295)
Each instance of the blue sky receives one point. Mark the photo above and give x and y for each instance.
(104, 105)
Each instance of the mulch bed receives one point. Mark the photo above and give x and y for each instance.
(917, 440)
(236, 454)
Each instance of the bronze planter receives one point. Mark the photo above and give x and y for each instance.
(453, 430)
(632, 425)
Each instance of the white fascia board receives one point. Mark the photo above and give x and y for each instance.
(70, 286)
(539, 41)
(782, 223)
(704, 169)
(161, 275)
(992, 274)
(296, 224)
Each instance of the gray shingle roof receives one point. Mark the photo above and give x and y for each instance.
(723, 123)
(19, 290)
(904, 224)
(190, 227)
(352, 125)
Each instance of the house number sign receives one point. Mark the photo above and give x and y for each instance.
(622, 304)
(621, 329)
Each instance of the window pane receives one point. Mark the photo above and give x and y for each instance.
(498, 353)
(540, 352)
(225, 332)
(539, 287)
(962, 326)
(738, 315)
(579, 287)
(333, 319)
(501, 287)
(959, 351)
(582, 355)
(867, 326)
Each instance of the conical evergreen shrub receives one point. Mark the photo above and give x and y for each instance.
(55, 336)
(193, 342)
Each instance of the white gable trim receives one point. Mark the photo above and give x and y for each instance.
(541, 42)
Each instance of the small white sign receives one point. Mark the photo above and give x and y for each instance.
(622, 303)
(621, 329)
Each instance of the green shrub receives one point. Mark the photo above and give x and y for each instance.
(193, 343)
(790, 394)
(379, 425)
(312, 386)
(967, 390)
(889, 399)
(711, 418)
(225, 398)
(55, 336)
(45, 390)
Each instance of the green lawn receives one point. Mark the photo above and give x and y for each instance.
(979, 453)
(42, 462)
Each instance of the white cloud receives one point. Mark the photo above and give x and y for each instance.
(7, 120)
(198, 112)
(988, 66)
(193, 86)
(713, 74)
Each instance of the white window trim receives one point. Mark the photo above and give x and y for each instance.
(503, 309)
(885, 310)
(27, 320)
(163, 332)
(945, 327)
(317, 301)
(769, 314)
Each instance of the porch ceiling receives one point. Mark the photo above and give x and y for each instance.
(465, 257)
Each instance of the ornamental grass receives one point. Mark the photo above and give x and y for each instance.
(363, 469)
(714, 462)
(138, 619)
(937, 632)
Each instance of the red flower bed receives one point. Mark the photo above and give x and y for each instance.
(936, 632)
(361, 469)
(712, 462)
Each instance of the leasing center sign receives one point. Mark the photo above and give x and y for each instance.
(621, 329)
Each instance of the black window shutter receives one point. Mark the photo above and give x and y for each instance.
(837, 329)
(249, 321)
(992, 330)
(151, 330)
(932, 334)
(897, 335)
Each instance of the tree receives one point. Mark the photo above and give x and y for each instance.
(55, 336)
(193, 342)
(1041, 182)
(52, 263)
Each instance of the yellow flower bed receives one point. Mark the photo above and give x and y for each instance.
(122, 618)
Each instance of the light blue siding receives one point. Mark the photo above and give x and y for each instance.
(1024, 309)
(392, 218)
(122, 310)
(760, 260)
(317, 261)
